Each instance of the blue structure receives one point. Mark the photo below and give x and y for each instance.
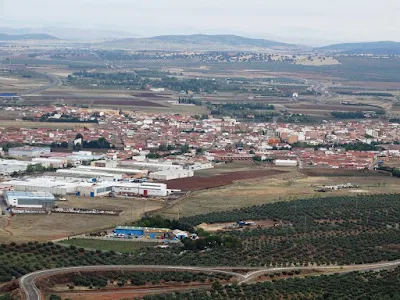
(126, 230)
(152, 233)
(8, 95)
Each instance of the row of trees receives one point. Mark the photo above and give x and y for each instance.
(331, 230)
(142, 278)
(369, 285)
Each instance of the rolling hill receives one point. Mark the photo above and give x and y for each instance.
(70, 33)
(379, 48)
(23, 37)
(229, 40)
(200, 42)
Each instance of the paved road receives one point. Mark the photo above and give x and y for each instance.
(27, 282)
(53, 81)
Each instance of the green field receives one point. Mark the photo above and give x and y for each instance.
(111, 245)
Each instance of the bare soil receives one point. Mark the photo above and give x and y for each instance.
(200, 183)
(221, 226)
(23, 228)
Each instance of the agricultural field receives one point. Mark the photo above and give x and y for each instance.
(23, 228)
(108, 245)
(369, 285)
(287, 186)
(322, 231)
(332, 230)
(115, 279)
(225, 179)
(19, 81)
(30, 124)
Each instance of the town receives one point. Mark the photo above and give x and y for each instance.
(188, 150)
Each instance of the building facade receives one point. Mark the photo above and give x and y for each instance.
(28, 151)
(29, 199)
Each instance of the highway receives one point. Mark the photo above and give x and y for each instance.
(53, 81)
(31, 292)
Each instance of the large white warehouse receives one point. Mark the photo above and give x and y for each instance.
(171, 174)
(114, 170)
(29, 200)
(28, 151)
(153, 166)
(75, 172)
(8, 166)
(286, 163)
(144, 189)
(85, 187)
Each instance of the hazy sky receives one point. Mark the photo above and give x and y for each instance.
(301, 21)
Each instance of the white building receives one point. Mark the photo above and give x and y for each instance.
(199, 166)
(143, 189)
(171, 174)
(82, 173)
(285, 163)
(113, 170)
(28, 151)
(151, 165)
(29, 200)
(44, 184)
(60, 185)
(8, 166)
(51, 162)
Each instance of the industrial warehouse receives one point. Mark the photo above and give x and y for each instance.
(151, 233)
(87, 187)
(30, 199)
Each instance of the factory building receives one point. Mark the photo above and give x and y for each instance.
(285, 163)
(114, 170)
(8, 166)
(94, 190)
(88, 187)
(30, 200)
(171, 174)
(152, 166)
(50, 185)
(77, 158)
(104, 163)
(56, 163)
(143, 189)
(199, 166)
(28, 151)
(152, 233)
(82, 173)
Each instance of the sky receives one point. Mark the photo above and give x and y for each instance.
(312, 22)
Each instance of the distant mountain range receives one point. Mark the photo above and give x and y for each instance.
(379, 48)
(115, 39)
(200, 42)
(233, 42)
(23, 37)
(230, 40)
(68, 33)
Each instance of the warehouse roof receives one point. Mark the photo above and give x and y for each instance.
(30, 148)
(30, 194)
(143, 228)
(119, 170)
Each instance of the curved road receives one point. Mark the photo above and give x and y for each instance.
(27, 282)
(54, 81)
